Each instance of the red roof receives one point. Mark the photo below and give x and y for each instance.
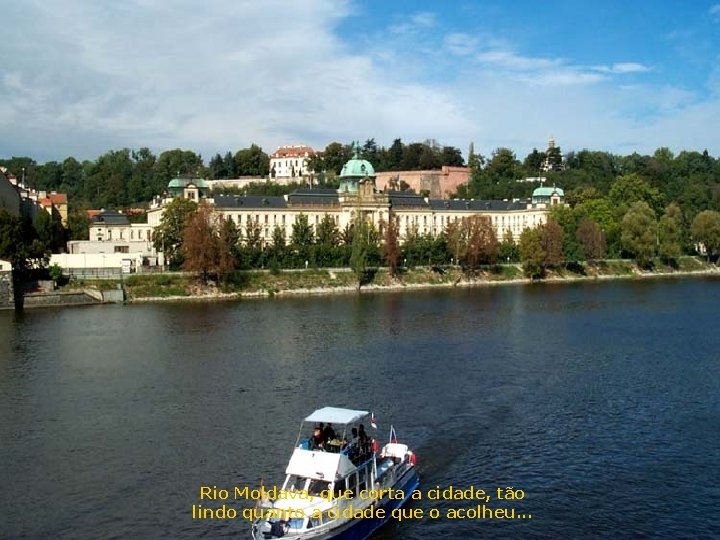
(92, 213)
(58, 198)
(293, 151)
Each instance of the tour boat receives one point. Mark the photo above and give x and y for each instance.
(339, 483)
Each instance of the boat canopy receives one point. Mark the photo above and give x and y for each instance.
(334, 415)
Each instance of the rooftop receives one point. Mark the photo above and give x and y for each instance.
(335, 415)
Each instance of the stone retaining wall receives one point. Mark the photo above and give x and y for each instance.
(58, 299)
(7, 293)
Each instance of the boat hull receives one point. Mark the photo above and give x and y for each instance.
(360, 529)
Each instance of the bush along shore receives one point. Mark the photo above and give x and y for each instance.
(253, 284)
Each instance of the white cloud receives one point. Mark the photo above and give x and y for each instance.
(415, 23)
(714, 12)
(624, 67)
(86, 78)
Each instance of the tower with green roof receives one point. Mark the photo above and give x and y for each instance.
(355, 171)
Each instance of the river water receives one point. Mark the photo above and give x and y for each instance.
(601, 402)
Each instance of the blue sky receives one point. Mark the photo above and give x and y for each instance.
(79, 77)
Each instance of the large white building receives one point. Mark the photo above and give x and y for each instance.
(290, 164)
(357, 194)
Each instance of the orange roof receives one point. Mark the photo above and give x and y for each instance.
(47, 203)
(92, 213)
(58, 198)
(293, 151)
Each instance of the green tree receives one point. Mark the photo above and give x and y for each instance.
(168, 236)
(359, 250)
(705, 230)
(12, 240)
(632, 188)
(301, 240)
(671, 234)
(507, 249)
(335, 157)
(639, 233)
(532, 254)
(328, 238)
(173, 163)
(252, 162)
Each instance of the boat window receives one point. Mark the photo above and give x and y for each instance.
(313, 522)
(326, 518)
(295, 523)
(352, 483)
(317, 487)
(294, 483)
(339, 487)
(363, 478)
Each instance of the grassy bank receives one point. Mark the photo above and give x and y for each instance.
(257, 283)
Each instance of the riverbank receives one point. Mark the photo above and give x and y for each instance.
(171, 287)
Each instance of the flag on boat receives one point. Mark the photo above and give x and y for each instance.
(393, 436)
(373, 422)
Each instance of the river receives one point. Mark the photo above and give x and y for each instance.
(600, 401)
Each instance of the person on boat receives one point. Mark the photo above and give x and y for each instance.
(328, 432)
(278, 528)
(363, 440)
(318, 441)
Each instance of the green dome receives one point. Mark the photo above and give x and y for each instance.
(357, 168)
(183, 182)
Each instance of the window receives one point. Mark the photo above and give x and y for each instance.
(122, 249)
(131, 235)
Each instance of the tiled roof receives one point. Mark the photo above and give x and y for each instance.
(293, 151)
(477, 206)
(250, 201)
(58, 198)
(110, 218)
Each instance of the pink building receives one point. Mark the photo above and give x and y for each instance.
(441, 184)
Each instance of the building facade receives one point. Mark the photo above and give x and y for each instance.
(358, 195)
(290, 164)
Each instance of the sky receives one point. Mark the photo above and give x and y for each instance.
(81, 77)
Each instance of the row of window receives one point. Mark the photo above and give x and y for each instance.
(146, 233)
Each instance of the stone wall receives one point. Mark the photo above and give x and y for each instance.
(58, 299)
(441, 183)
(7, 294)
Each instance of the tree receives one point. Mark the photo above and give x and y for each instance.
(231, 237)
(507, 249)
(482, 244)
(301, 239)
(335, 157)
(173, 163)
(12, 240)
(591, 238)
(204, 248)
(359, 251)
(631, 188)
(391, 248)
(552, 243)
(327, 240)
(639, 232)
(532, 254)
(671, 234)
(705, 230)
(277, 251)
(168, 236)
(252, 162)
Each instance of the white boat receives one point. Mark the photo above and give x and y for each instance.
(342, 487)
